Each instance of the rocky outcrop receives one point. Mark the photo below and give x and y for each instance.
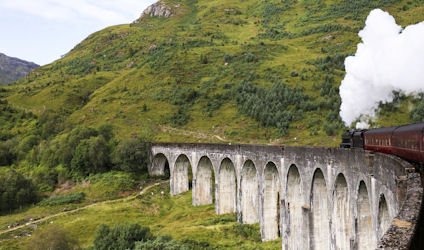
(12, 69)
(159, 9)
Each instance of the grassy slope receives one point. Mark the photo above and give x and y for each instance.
(164, 214)
(112, 74)
(102, 79)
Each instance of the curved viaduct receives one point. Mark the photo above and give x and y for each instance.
(312, 197)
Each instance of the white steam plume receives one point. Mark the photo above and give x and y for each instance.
(389, 58)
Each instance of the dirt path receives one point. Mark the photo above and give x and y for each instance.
(195, 134)
(81, 208)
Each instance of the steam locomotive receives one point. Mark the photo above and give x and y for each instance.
(405, 141)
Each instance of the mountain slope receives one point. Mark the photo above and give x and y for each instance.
(12, 69)
(239, 71)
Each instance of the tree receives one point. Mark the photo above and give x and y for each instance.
(80, 163)
(25, 145)
(15, 190)
(51, 123)
(417, 114)
(132, 155)
(106, 130)
(91, 156)
(69, 143)
(8, 152)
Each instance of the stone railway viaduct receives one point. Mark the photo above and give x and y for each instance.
(312, 197)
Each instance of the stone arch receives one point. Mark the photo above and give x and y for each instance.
(160, 166)
(227, 186)
(320, 227)
(249, 193)
(342, 215)
(294, 209)
(365, 232)
(205, 182)
(384, 220)
(182, 175)
(271, 204)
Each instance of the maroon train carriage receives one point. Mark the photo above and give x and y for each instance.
(408, 142)
(379, 140)
(405, 141)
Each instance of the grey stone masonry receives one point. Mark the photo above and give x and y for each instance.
(311, 197)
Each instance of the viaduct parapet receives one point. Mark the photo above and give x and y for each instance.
(312, 197)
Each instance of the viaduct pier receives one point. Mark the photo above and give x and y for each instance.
(311, 197)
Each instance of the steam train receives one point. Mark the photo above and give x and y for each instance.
(405, 141)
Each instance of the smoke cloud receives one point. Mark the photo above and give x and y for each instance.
(389, 58)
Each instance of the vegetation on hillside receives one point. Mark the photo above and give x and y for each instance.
(168, 221)
(180, 76)
(219, 71)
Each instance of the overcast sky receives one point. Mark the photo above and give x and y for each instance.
(42, 30)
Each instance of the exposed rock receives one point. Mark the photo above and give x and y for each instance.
(159, 9)
(152, 47)
(329, 37)
(12, 69)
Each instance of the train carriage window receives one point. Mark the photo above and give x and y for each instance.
(422, 144)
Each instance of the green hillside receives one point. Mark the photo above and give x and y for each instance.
(76, 132)
(216, 71)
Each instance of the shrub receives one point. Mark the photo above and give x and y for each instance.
(109, 185)
(120, 236)
(53, 237)
(203, 59)
(247, 231)
(228, 58)
(331, 62)
(180, 118)
(276, 106)
(63, 199)
(330, 128)
(251, 58)
(162, 242)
